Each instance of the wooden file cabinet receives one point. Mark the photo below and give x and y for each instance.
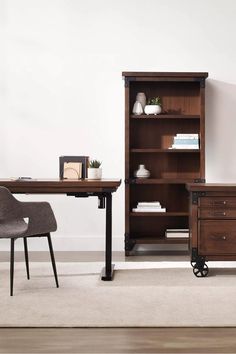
(212, 224)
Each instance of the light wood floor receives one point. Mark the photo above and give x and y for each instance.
(122, 340)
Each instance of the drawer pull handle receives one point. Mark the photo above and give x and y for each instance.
(219, 237)
(219, 202)
(219, 213)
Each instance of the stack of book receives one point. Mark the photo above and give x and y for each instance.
(177, 233)
(186, 141)
(149, 207)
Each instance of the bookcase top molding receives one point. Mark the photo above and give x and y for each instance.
(159, 143)
(164, 74)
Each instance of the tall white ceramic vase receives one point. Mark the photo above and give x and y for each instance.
(141, 97)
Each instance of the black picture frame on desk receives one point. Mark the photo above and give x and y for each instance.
(83, 159)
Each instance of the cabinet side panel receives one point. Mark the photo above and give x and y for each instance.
(193, 223)
(202, 132)
(127, 157)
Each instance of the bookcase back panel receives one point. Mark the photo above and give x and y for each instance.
(173, 197)
(155, 227)
(160, 133)
(168, 165)
(177, 97)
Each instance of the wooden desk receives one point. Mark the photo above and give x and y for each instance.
(212, 224)
(102, 189)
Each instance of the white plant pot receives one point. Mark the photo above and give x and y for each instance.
(94, 173)
(152, 109)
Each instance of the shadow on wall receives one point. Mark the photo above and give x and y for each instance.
(220, 132)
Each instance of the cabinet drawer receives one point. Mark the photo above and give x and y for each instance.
(217, 237)
(217, 213)
(218, 202)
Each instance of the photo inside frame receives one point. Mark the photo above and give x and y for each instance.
(72, 170)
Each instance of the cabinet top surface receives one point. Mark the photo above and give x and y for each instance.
(211, 187)
(164, 74)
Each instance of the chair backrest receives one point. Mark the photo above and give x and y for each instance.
(9, 206)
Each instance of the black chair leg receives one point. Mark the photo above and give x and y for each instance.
(52, 259)
(12, 266)
(26, 257)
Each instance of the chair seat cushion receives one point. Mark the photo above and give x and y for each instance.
(12, 228)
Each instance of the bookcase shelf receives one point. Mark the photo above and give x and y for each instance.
(164, 116)
(147, 142)
(147, 181)
(166, 214)
(161, 240)
(164, 150)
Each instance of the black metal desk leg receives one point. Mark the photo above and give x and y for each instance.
(107, 272)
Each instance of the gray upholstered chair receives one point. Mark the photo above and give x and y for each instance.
(41, 222)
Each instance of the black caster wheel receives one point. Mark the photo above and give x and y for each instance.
(200, 271)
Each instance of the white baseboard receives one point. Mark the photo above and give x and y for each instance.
(66, 243)
(82, 243)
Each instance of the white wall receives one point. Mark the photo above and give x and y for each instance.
(61, 90)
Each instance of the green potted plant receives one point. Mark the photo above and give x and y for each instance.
(153, 106)
(94, 170)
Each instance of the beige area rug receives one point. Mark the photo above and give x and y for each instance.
(142, 294)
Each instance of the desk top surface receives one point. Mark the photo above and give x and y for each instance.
(60, 186)
(211, 187)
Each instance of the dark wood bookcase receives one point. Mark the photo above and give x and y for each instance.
(147, 141)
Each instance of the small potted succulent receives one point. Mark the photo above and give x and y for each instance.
(94, 170)
(153, 106)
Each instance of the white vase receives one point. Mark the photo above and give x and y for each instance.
(137, 109)
(94, 173)
(152, 109)
(142, 172)
(141, 97)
